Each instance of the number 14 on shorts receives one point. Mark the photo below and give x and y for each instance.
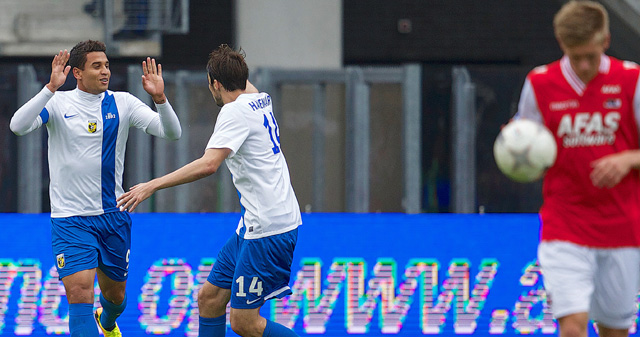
(254, 288)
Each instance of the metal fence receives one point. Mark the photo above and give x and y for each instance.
(412, 138)
(148, 157)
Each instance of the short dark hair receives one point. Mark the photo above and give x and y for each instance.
(78, 54)
(228, 67)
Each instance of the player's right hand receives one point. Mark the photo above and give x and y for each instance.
(609, 170)
(136, 194)
(59, 70)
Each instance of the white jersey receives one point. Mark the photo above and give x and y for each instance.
(248, 128)
(87, 139)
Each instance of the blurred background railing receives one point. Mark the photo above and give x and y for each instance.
(354, 139)
(383, 106)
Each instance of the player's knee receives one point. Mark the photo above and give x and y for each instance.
(210, 299)
(238, 328)
(79, 293)
(573, 330)
(114, 295)
(244, 327)
(116, 298)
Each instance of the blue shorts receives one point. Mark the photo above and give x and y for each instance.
(86, 242)
(255, 270)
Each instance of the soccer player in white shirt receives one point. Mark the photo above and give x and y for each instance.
(255, 264)
(88, 129)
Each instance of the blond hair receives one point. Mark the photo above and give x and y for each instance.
(578, 22)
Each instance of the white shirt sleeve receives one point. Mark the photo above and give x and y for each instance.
(528, 106)
(164, 123)
(27, 117)
(230, 132)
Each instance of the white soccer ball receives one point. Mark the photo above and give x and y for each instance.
(524, 150)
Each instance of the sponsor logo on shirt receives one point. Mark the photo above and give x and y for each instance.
(564, 105)
(588, 129)
(66, 115)
(109, 116)
(613, 103)
(93, 126)
(611, 89)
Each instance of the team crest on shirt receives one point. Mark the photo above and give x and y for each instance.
(93, 125)
(60, 260)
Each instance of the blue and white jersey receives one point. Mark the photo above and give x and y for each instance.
(248, 128)
(87, 139)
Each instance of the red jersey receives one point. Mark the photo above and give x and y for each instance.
(589, 121)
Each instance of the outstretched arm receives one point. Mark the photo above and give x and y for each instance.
(205, 166)
(25, 119)
(166, 124)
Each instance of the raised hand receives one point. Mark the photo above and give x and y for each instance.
(152, 80)
(59, 70)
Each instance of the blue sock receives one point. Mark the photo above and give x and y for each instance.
(274, 329)
(110, 312)
(212, 327)
(81, 321)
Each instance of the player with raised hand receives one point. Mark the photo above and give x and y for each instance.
(255, 263)
(590, 238)
(88, 129)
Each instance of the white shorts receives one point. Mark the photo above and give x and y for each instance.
(598, 281)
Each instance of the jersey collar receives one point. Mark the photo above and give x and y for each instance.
(572, 78)
(88, 96)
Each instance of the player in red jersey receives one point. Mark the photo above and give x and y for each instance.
(590, 237)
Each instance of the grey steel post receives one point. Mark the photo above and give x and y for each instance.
(184, 20)
(357, 142)
(138, 164)
(109, 27)
(319, 112)
(262, 80)
(154, 16)
(154, 22)
(182, 194)
(29, 149)
(265, 83)
(464, 142)
(412, 111)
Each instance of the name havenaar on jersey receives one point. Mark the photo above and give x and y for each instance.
(260, 103)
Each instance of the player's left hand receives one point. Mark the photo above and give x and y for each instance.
(152, 80)
(609, 170)
(137, 194)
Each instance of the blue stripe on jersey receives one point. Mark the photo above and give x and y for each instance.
(44, 115)
(110, 122)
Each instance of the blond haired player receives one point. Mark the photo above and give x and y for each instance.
(590, 217)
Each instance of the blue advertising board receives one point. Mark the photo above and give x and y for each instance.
(352, 274)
